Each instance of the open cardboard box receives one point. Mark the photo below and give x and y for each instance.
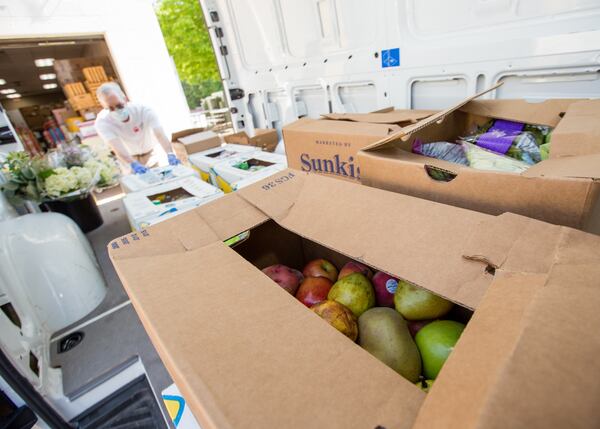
(563, 189)
(246, 354)
(329, 145)
(264, 138)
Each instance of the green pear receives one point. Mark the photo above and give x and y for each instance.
(435, 342)
(355, 291)
(384, 334)
(415, 303)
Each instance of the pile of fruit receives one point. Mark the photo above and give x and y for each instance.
(395, 321)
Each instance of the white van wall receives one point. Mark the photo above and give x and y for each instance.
(295, 58)
(133, 36)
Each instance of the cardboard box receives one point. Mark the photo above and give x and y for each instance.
(71, 70)
(329, 145)
(266, 139)
(205, 160)
(155, 176)
(240, 171)
(563, 189)
(200, 141)
(80, 102)
(246, 354)
(159, 203)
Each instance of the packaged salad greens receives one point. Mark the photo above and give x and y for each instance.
(515, 139)
(483, 159)
(446, 151)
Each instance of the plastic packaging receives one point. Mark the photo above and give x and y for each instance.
(446, 151)
(515, 139)
(483, 159)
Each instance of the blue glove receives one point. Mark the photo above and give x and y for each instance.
(173, 159)
(138, 168)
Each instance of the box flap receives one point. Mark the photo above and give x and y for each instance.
(202, 141)
(578, 133)
(548, 112)
(341, 127)
(177, 135)
(436, 117)
(546, 382)
(541, 297)
(394, 117)
(245, 354)
(582, 167)
(378, 223)
(216, 221)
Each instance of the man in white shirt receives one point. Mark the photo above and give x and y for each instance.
(129, 129)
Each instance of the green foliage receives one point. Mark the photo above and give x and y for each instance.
(188, 42)
(24, 177)
(195, 93)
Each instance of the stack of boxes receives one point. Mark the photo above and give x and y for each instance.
(232, 166)
(94, 78)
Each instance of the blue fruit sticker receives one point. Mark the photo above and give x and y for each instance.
(391, 285)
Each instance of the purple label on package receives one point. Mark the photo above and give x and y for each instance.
(500, 136)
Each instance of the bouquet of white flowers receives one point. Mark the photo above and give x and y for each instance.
(108, 167)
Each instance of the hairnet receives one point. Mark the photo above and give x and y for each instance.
(108, 88)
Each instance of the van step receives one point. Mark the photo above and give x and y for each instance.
(133, 406)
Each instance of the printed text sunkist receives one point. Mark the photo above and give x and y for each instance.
(334, 165)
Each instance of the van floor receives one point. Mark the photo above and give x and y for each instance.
(114, 337)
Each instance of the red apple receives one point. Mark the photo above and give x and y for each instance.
(321, 268)
(385, 287)
(313, 290)
(286, 277)
(415, 326)
(355, 267)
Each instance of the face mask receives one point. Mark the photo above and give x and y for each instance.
(120, 114)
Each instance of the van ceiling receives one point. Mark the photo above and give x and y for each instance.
(17, 57)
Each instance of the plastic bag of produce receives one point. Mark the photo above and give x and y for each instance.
(483, 159)
(446, 151)
(545, 151)
(515, 139)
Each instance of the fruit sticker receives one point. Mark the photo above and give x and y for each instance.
(391, 285)
(177, 409)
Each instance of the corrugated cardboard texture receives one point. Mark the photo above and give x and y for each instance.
(266, 139)
(399, 117)
(245, 354)
(555, 190)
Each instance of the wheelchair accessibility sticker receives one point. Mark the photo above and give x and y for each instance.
(390, 57)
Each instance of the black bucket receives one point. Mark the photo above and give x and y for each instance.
(83, 211)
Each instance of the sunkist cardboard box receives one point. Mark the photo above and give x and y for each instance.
(329, 145)
(246, 354)
(563, 189)
(264, 138)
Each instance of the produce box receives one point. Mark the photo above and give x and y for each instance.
(240, 171)
(158, 203)
(197, 142)
(329, 145)
(83, 101)
(74, 89)
(205, 160)
(562, 189)
(266, 139)
(95, 74)
(71, 70)
(248, 354)
(155, 176)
